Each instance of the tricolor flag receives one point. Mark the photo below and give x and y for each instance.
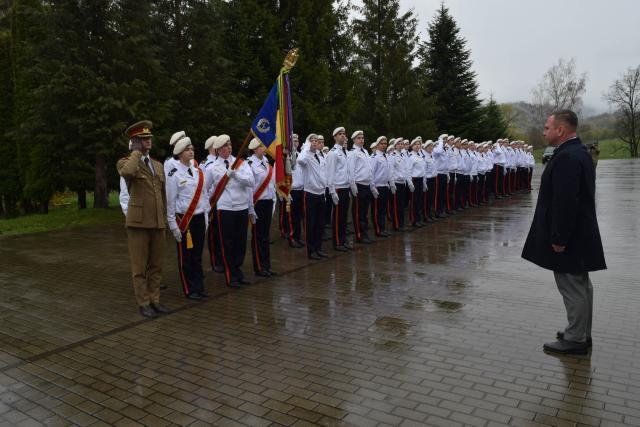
(273, 127)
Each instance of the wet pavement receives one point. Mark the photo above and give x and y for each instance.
(439, 326)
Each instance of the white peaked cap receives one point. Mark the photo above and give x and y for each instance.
(209, 142)
(374, 144)
(380, 138)
(356, 133)
(428, 143)
(318, 136)
(176, 137)
(338, 129)
(254, 144)
(181, 145)
(443, 136)
(221, 141)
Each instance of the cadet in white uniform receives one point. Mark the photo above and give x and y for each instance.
(233, 189)
(264, 196)
(362, 189)
(213, 234)
(187, 217)
(339, 181)
(314, 178)
(417, 169)
(384, 184)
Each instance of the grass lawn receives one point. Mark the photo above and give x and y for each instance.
(609, 149)
(64, 213)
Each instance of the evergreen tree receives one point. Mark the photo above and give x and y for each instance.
(492, 125)
(386, 42)
(446, 62)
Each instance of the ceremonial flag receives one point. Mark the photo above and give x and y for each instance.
(273, 125)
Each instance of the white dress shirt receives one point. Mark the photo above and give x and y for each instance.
(381, 170)
(338, 175)
(360, 165)
(238, 193)
(260, 168)
(314, 171)
(181, 187)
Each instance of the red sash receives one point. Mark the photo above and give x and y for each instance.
(222, 184)
(264, 184)
(186, 218)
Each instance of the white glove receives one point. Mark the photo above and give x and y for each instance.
(375, 193)
(425, 187)
(393, 189)
(412, 188)
(289, 198)
(334, 197)
(253, 218)
(231, 173)
(279, 196)
(448, 178)
(176, 234)
(455, 178)
(354, 190)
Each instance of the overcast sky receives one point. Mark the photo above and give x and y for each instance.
(513, 42)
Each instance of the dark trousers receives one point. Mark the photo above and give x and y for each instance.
(233, 233)
(482, 189)
(314, 205)
(530, 177)
(463, 190)
(490, 181)
(429, 198)
(339, 218)
(499, 180)
(396, 205)
(260, 236)
(416, 203)
(328, 207)
(296, 215)
(379, 210)
(442, 193)
(359, 211)
(213, 241)
(451, 192)
(190, 259)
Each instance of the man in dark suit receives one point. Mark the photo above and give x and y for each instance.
(564, 235)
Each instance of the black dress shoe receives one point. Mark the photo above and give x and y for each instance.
(340, 248)
(204, 294)
(262, 274)
(147, 312)
(272, 273)
(218, 269)
(566, 347)
(386, 233)
(296, 244)
(243, 281)
(195, 296)
(314, 255)
(560, 336)
(159, 308)
(322, 254)
(348, 246)
(381, 235)
(163, 287)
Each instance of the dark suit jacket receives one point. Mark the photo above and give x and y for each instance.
(147, 198)
(566, 214)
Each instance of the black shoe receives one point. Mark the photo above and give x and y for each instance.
(159, 308)
(560, 336)
(205, 294)
(386, 233)
(341, 248)
(381, 235)
(218, 269)
(163, 287)
(262, 274)
(566, 347)
(147, 312)
(314, 255)
(322, 254)
(272, 273)
(195, 296)
(297, 244)
(244, 282)
(348, 246)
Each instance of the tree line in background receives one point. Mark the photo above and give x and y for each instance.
(75, 73)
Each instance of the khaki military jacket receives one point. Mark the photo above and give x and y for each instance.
(147, 206)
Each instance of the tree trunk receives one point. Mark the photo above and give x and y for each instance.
(82, 199)
(43, 207)
(101, 193)
(27, 206)
(2, 210)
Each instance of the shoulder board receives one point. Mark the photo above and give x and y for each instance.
(208, 163)
(124, 158)
(172, 171)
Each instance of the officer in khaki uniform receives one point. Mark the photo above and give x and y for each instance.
(145, 218)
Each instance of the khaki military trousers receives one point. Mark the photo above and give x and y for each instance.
(147, 252)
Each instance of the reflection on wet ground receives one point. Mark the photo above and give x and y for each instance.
(439, 326)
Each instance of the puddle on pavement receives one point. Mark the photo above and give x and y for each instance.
(396, 326)
(426, 304)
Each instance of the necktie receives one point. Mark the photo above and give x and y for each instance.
(316, 156)
(190, 173)
(146, 162)
(385, 155)
(226, 164)
(344, 151)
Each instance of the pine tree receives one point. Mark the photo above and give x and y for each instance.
(492, 125)
(446, 63)
(386, 42)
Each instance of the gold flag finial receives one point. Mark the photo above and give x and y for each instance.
(291, 59)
